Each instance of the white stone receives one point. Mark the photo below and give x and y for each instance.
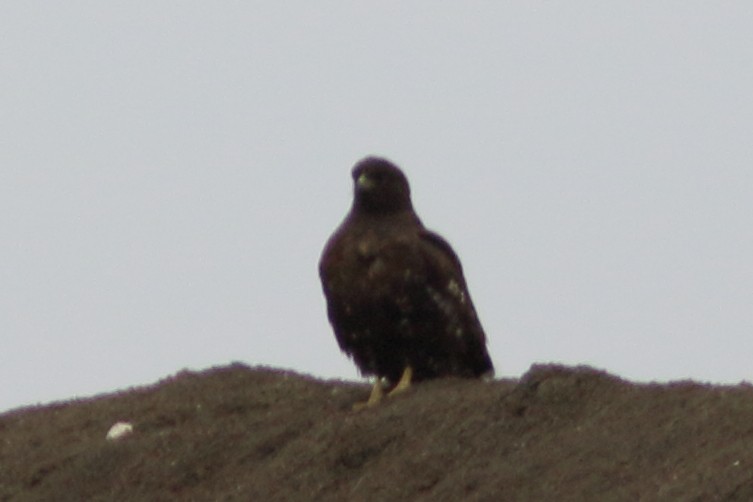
(119, 430)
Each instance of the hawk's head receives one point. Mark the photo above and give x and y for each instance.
(380, 187)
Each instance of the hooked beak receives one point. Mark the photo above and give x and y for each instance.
(364, 182)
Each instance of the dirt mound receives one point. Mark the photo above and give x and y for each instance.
(240, 433)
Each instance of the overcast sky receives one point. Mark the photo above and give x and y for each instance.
(170, 171)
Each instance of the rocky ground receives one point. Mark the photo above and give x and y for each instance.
(240, 433)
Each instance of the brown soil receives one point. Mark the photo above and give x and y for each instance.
(240, 433)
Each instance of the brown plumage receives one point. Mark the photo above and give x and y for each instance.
(396, 295)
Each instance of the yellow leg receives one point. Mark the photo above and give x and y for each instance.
(374, 398)
(404, 383)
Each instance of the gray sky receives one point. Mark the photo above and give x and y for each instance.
(169, 173)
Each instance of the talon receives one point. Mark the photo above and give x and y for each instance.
(374, 398)
(404, 383)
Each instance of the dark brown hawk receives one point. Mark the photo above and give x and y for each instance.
(396, 295)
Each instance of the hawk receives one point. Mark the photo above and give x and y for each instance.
(396, 295)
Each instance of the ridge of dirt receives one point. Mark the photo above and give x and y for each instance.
(240, 433)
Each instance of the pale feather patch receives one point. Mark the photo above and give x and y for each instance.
(447, 308)
(455, 290)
